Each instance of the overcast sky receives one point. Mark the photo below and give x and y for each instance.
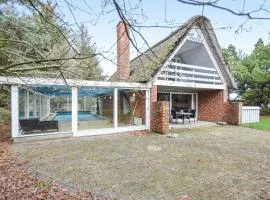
(101, 25)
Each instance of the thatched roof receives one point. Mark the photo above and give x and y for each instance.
(144, 67)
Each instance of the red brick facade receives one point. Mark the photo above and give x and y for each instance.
(213, 105)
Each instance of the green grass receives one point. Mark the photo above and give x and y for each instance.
(264, 124)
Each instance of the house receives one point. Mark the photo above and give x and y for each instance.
(187, 69)
(184, 71)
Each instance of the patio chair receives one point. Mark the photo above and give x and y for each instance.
(174, 115)
(193, 115)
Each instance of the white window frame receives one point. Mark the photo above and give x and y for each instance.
(192, 100)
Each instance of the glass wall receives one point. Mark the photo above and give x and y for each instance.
(31, 104)
(48, 109)
(22, 102)
(61, 104)
(95, 108)
(131, 107)
(44, 110)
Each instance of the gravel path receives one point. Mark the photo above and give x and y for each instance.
(226, 162)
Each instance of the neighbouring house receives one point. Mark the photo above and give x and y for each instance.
(183, 73)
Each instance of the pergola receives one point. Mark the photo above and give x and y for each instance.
(45, 88)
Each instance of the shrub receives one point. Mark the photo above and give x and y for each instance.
(265, 111)
(5, 117)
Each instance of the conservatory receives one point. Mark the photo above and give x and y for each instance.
(46, 106)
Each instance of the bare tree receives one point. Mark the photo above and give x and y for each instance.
(131, 12)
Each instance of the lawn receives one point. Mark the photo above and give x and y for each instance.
(227, 162)
(264, 124)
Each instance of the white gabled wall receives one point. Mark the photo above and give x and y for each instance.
(199, 69)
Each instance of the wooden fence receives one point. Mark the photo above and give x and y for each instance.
(250, 114)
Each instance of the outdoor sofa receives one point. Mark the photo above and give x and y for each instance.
(34, 125)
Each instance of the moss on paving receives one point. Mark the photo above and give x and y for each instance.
(226, 162)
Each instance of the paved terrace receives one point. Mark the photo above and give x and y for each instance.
(226, 162)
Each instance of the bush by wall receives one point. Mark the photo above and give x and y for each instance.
(265, 111)
(5, 116)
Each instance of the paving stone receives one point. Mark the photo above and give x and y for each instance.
(222, 162)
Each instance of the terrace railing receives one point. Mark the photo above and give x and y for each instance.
(180, 72)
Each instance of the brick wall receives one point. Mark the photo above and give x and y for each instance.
(213, 105)
(160, 120)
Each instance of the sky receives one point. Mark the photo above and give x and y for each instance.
(101, 23)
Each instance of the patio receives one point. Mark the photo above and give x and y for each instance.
(225, 162)
(192, 125)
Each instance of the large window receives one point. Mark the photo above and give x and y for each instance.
(181, 101)
(95, 108)
(44, 110)
(131, 107)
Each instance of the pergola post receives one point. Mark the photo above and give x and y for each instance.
(84, 103)
(35, 106)
(115, 107)
(68, 106)
(26, 105)
(49, 104)
(14, 111)
(40, 106)
(147, 109)
(74, 110)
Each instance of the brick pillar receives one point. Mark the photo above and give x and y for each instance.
(234, 113)
(160, 117)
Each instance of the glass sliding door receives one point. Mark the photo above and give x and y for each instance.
(182, 102)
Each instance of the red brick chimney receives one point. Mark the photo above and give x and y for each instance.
(123, 51)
